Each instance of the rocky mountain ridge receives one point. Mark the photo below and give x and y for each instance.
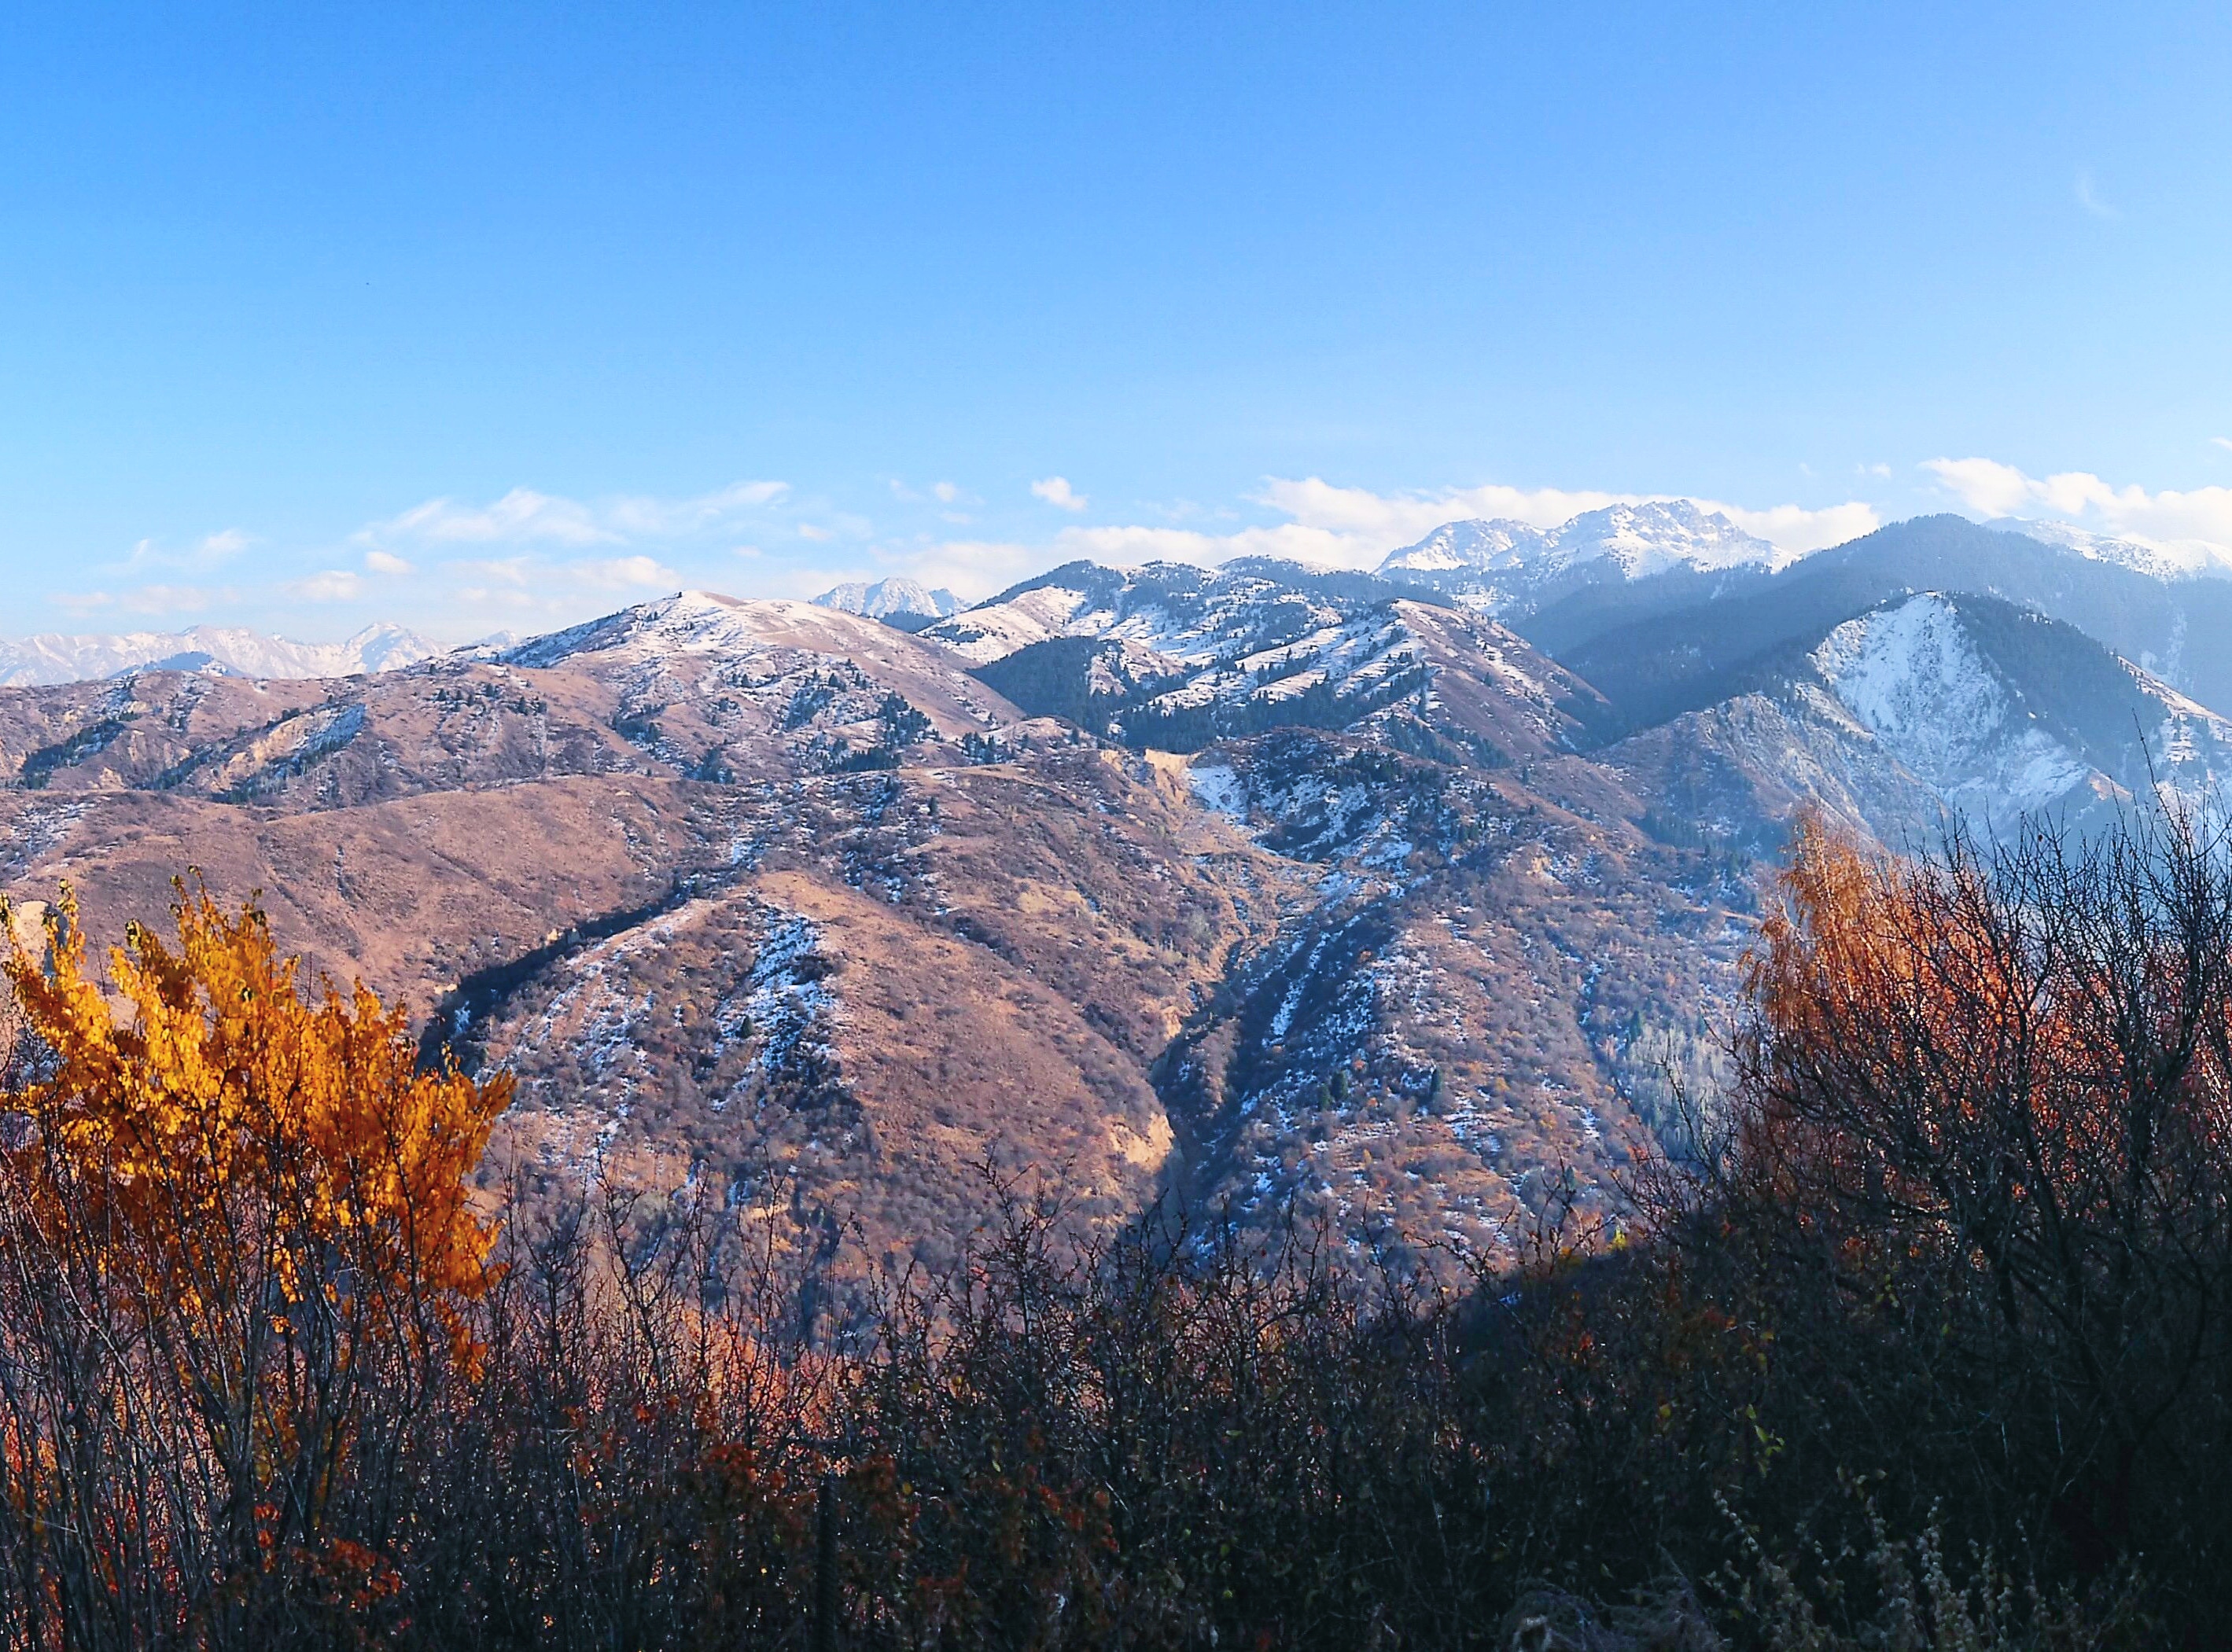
(1268, 888)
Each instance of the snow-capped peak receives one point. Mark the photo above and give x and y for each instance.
(1659, 535)
(1497, 542)
(231, 650)
(1493, 564)
(895, 595)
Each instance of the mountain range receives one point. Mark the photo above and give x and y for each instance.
(1413, 900)
(227, 648)
(1500, 564)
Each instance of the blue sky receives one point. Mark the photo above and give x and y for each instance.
(483, 316)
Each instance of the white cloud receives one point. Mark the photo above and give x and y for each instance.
(1297, 541)
(507, 570)
(811, 531)
(2225, 442)
(524, 516)
(942, 493)
(334, 585)
(592, 573)
(1983, 484)
(386, 562)
(2194, 517)
(521, 516)
(971, 569)
(1400, 518)
(211, 550)
(1355, 526)
(1365, 525)
(1332, 526)
(1057, 492)
(649, 518)
(1792, 528)
(623, 574)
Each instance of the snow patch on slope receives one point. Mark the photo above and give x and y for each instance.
(1910, 675)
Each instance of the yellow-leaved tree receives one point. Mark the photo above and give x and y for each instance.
(236, 1245)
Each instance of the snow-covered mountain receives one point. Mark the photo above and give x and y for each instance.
(231, 650)
(1679, 641)
(891, 599)
(1343, 884)
(1933, 705)
(721, 676)
(1999, 710)
(2158, 559)
(1193, 615)
(1173, 657)
(1500, 564)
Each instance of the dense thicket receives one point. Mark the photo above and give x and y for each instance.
(1924, 1346)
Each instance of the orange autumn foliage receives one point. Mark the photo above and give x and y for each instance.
(2027, 1036)
(2001, 1078)
(220, 1102)
(235, 1258)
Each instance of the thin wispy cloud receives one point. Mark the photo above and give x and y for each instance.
(530, 583)
(210, 551)
(942, 493)
(170, 599)
(2088, 196)
(526, 516)
(644, 517)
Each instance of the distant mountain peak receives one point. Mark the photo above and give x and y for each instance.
(226, 650)
(1495, 564)
(887, 597)
(2160, 559)
(1473, 543)
(1660, 534)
